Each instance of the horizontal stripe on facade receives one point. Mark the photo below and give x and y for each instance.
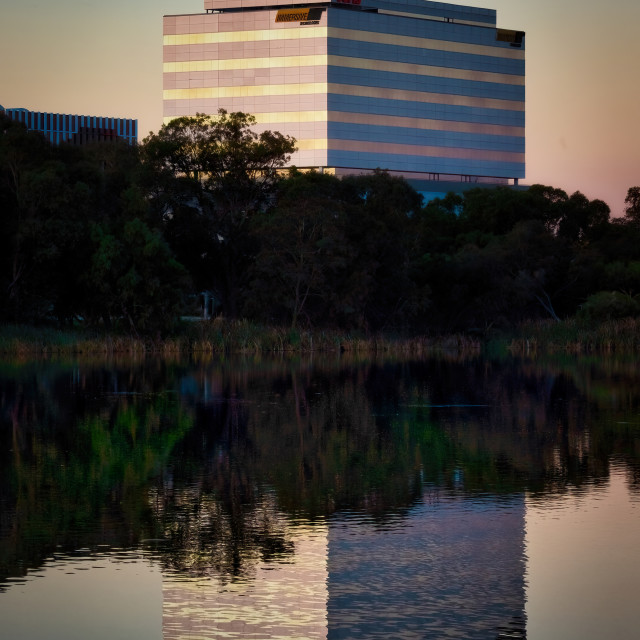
(247, 49)
(343, 89)
(424, 138)
(412, 109)
(393, 66)
(416, 35)
(275, 62)
(424, 151)
(248, 35)
(422, 55)
(286, 62)
(446, 157)
(423, 164)
(246, 91)
(303, 33)
(283, 119)
(342, 75)
(424, 124)
(357, 106)
(420, 96)
(429, 84)
(398, 26)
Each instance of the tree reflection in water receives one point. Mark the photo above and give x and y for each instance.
(213, 458)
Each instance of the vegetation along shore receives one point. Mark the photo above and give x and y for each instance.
(242, 337)
(111, 247)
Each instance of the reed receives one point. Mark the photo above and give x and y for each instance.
(22, 339)
(220, 336)
(577, 336)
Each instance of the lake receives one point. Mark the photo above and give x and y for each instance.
(314, 497)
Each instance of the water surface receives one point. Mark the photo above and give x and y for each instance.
(319, 498)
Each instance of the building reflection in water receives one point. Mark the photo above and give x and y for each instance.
(281, 599)
(452, 568)
(447, 566)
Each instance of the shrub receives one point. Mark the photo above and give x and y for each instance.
(609, 305)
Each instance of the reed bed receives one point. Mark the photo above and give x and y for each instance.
(577, 336)
(220, 336)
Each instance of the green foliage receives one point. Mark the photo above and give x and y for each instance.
(79, 237)
(69, 472)
(135, 277)
(581, 219)
(382, 291)
(113, 235)
(302, 253)
(27, 179)
(215, 174)
(578, 335)
(609, 305)
(493, 211)
(336, 252)
(632, 205)
(622, 276)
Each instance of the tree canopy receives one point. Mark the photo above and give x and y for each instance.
(114, 235)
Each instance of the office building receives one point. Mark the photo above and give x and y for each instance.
(59, 127)
(428, 90)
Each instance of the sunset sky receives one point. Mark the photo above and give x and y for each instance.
(583, 95)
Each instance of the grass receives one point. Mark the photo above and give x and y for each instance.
(221, 336)
(577, 336)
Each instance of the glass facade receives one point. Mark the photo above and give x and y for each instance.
(58, 127)
(427, 89)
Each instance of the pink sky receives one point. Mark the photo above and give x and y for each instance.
(583, 94)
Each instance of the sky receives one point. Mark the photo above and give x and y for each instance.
(101, 58)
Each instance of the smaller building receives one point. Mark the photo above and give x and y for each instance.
(74, 129)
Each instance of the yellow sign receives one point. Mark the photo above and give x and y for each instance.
(310, 15)
(292, 15)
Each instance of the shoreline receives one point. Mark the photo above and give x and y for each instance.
(242, 337)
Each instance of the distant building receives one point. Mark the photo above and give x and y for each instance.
(58, 127)
(428, 90)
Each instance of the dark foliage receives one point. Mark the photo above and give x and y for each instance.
(114, 235)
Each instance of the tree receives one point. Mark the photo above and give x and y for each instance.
(515, 276)
(302, 252)
(128, 274)
(134, 276)
(581, 219)
(609, 305)
(544, 203)
(223, 171)
(497, 210)
(632, 208)
(379, 289)
(27, 171)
